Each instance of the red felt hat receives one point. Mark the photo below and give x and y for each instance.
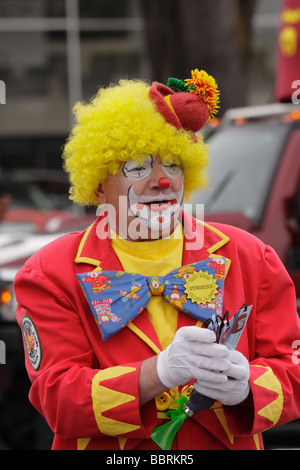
(192, 105)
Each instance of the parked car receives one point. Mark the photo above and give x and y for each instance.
(255, 185)
(38, 198)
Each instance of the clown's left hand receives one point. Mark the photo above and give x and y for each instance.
(235, 389)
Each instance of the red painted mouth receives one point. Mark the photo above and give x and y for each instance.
(156, 206)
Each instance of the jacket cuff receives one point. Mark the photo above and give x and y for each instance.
(263, 407)
(115, 397)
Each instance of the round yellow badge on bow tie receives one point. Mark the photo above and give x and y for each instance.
(201, 288)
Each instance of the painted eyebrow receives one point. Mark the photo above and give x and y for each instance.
(171, 163)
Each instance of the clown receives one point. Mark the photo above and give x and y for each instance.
(219, 265)
(156, 288)
(185, 272)
(177, 299)
(104, 313)
(136, 151)
(145, 161)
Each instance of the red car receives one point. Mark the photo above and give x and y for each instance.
(255, 178)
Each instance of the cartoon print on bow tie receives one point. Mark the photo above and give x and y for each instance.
(103, 310)
(192, 289)
(185, 271)
(132, 294)
(99, 281)
(176, 299)
(155, 285)
(219, 265)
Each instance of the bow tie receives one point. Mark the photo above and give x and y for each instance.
(116, 297)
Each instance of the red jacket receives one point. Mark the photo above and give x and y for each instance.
(87, 388)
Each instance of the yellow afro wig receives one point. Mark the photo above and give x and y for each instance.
(119, 124)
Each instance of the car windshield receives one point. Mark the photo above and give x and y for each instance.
(243, 160)
(26, 195)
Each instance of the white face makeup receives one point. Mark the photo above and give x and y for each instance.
(153, 192)
(158, 210)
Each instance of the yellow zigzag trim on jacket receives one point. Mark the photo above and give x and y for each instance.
(82, 443)
(218, 409)
(105, 399)
(269, 381)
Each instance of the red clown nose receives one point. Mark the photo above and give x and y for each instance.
(164, 183)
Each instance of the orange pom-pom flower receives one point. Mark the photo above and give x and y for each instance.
(204, 85)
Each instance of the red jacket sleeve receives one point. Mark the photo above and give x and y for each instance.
(69, 389)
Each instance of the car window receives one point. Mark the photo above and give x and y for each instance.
(26, 195)
(243, 160)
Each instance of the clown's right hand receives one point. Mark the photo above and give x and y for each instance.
(193, 354)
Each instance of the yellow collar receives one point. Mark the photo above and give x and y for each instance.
(93, 250)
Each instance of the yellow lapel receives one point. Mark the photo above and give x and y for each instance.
(223, 239)
(79, 255)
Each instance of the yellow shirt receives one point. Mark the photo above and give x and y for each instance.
(150, 258)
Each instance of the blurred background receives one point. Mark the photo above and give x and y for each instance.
(56, 52)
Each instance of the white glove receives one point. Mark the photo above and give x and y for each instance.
(193, 354)
(235, 389)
